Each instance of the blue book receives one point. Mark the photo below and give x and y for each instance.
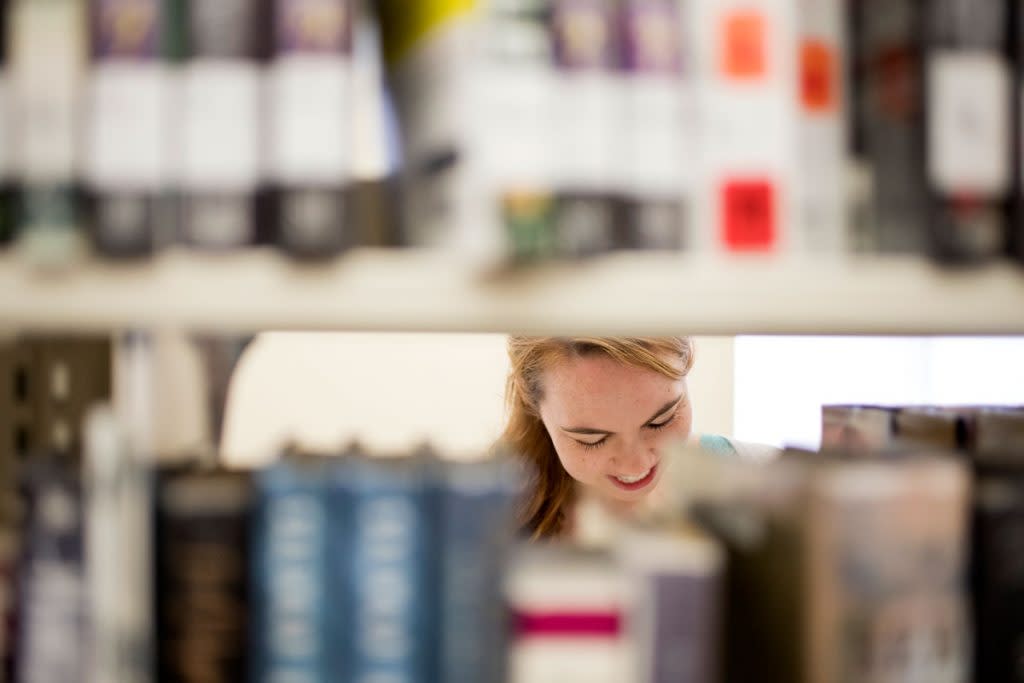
(291, 597)
(475, 525)
(381, 555)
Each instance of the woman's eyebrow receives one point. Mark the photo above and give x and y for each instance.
(665, 408)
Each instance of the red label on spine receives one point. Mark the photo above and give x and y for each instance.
(568, 624)
(744, 46)
(748, 221)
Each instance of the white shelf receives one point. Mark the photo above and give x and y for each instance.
(416, 291)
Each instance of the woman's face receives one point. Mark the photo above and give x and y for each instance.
(609, 421)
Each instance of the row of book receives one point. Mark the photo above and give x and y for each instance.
(572, 127)
(529, 129)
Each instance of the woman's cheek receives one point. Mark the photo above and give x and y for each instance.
(578, 463)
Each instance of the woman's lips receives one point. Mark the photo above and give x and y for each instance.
(637, 485)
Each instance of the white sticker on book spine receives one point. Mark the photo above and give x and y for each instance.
(310, 119)
(969, 123)
(221, 126)
(127, 129)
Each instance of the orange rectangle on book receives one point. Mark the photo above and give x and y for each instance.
(744, 46)
(818, 77)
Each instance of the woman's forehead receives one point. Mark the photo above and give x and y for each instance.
(596, 386)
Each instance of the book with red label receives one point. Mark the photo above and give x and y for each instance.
(568, 609)
(969, 130)
(747, 99)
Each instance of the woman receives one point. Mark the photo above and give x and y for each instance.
(595, 412)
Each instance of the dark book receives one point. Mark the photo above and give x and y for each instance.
(475, 528)
(53, 627)
(969, 144)
(202, 576)
(382, 560)
(226, 44)
(127, 163)
(293, 594)
(310, 128)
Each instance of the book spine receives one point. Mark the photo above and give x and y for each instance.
(968, 119)
(48, 55)
(820, 93)
(118, 555)
(585, 126)
(568, 619)
(126, 166)
(1016, 229)
(8, 195)
(384, 564)
(221, 165)
(310, 125)
(512, 143)
(475, 521)
(291, 594)
(53, 626)
(888, 44)
(747, 76)
(202, 577)
(656, 126)
(997, 575)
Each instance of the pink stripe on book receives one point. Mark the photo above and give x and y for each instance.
(568, 624)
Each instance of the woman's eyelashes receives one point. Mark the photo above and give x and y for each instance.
(665, 422)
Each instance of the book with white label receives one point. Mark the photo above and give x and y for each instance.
(309, 125)
(219, 165)
(969, 145)
(127, 162)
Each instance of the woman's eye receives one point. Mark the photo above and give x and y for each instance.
(590, 446)
(664, 423)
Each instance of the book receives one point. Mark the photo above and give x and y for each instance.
(53, 627)
(656, 127)
(568, 608)
(475, 527)
(584, 124)
(381, 558)
(127, 162)
(676, 613)
(8, 193)
(747, 70)
(293, 597)
(202, 575)
(969, 132)
(48, 59)
(310, 127)
(118, 553)
(220, 125)
(864, 428)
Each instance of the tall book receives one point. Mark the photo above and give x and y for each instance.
(675, 616)
(656, 126)
(220, 127)
(746, 95)
(53, 629)
(48, 63)
(820, 94)
(583, 35)
(127, 164)
(118, 553)
(293, 595)
(857, 428)
(381, 558)
(568, 609)
(969, 146)
(310, 125)
(475, 526)
(8, 196)
(202, 576)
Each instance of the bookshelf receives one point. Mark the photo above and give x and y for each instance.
(407, 290)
